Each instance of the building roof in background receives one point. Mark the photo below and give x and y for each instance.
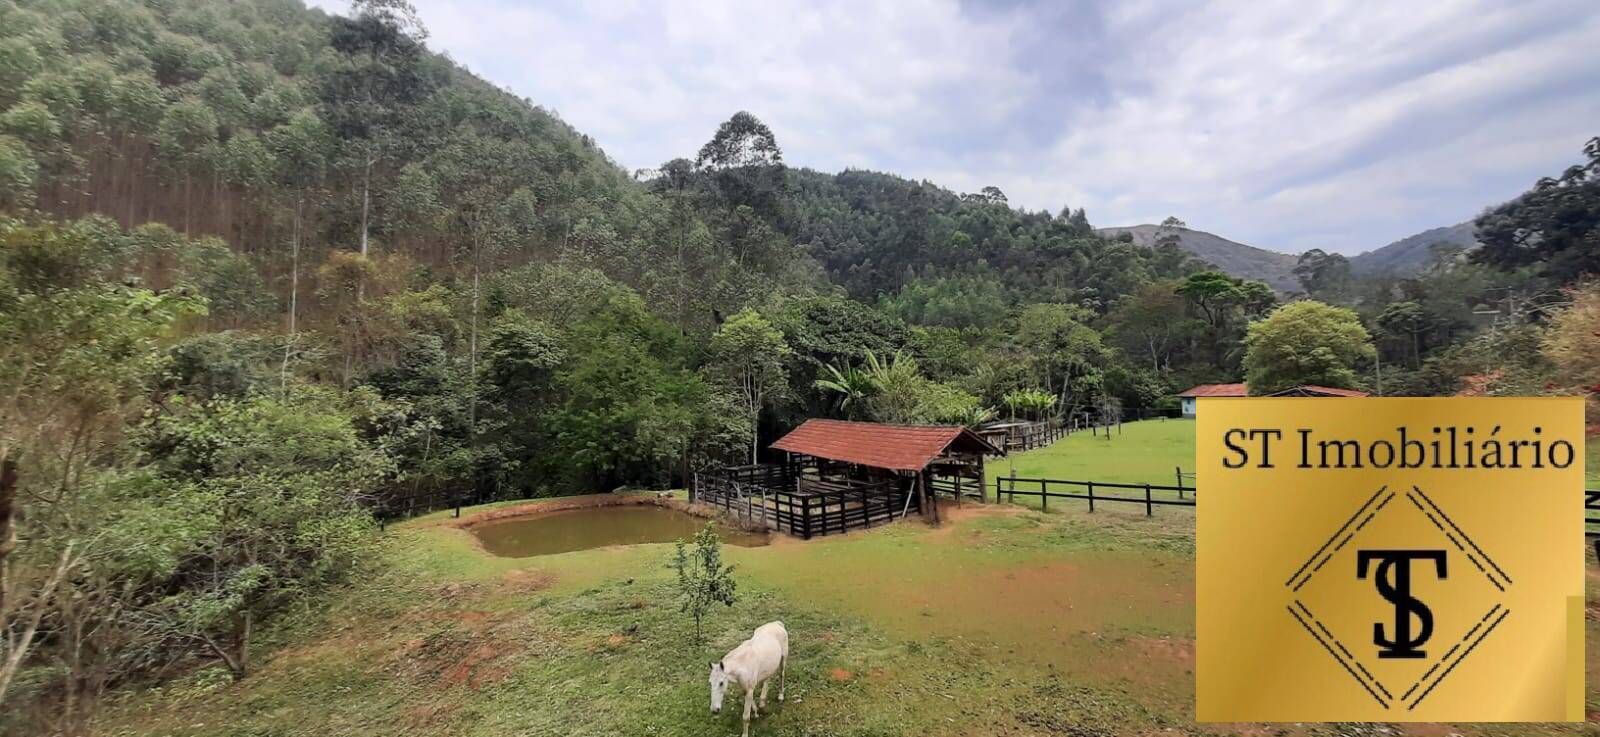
(1216, 390)
(1312, 390)
(1243, 390)
(893, 447)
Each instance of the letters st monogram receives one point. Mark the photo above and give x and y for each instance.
(1394, 583)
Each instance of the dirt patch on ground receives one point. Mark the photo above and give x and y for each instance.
(524, 581)
(952, 518)
(479, 667)
(447, 659)
(1179, 650)
(840, 674)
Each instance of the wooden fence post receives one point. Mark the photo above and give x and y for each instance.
(1091, 496)
(1149, 508)
(1179, 471)
(1044, 496)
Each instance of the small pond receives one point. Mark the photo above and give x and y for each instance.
(597, 527)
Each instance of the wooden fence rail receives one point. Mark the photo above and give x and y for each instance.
(1591, 505)
(1036, 435)
(1010, 487)
(389, 509)
(808, 508)
(1183, 477)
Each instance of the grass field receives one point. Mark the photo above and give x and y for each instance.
(1004, 621)
(1144, 452)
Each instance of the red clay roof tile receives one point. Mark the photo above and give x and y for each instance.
(895, 447)
(1216, 390)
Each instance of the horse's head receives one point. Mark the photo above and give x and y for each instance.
(719, 686)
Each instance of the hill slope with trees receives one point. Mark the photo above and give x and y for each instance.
(1409, 255)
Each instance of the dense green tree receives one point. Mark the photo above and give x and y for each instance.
(1555, 226)
(1324, 275)
(1306, 343)
(369, 99)
(746, 165)
(1065, 355)
(1151, 324)
(749, 353)
(1406, 322)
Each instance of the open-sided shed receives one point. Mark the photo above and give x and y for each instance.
(838, 475)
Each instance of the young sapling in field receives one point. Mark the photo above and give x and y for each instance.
(703, 580)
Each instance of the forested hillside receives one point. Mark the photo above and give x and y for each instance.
(265, 269)
(1238, 259)
(960, 259)
(1408, 256)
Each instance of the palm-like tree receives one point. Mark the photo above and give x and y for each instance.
(852, 385)
(975, 416)
(1031, 402)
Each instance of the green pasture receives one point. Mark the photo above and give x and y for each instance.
(1004, 621)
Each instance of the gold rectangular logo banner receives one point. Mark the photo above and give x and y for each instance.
(1400, 560)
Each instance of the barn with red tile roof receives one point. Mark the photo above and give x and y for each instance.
(838, 475)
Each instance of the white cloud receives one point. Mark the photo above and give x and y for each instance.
(1288, 125)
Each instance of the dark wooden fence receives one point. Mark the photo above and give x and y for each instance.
(957, 487)
(390, 509)
(1034, 435)
(1008, 488)
(1591, 506)
(1186, 480)
(804, 507)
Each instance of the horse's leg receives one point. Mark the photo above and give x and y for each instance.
(749, 706)
(764, 686)
(783, 675)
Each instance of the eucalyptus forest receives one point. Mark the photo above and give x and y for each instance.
(263, 268)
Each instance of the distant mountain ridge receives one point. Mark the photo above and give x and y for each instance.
(1232, 257)
(1407, 256)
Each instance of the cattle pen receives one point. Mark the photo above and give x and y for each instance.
(836, 476)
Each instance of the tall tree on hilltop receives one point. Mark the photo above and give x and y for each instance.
(302, 146)
(1554, 226)
(369, 97)
(480, 178)
(1324, 275)
(746, 164)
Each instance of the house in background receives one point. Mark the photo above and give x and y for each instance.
(1188, 396)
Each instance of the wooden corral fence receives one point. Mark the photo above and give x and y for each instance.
(958, 488)
(1015, 435)
(1186, 480)
(389, 509)
(1035, 435)
(809, 508)
(1008, 488)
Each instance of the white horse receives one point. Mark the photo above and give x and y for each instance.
(753, 663)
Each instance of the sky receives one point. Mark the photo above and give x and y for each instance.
(1286, 125)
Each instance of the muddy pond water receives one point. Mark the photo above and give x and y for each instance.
(598, 527)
